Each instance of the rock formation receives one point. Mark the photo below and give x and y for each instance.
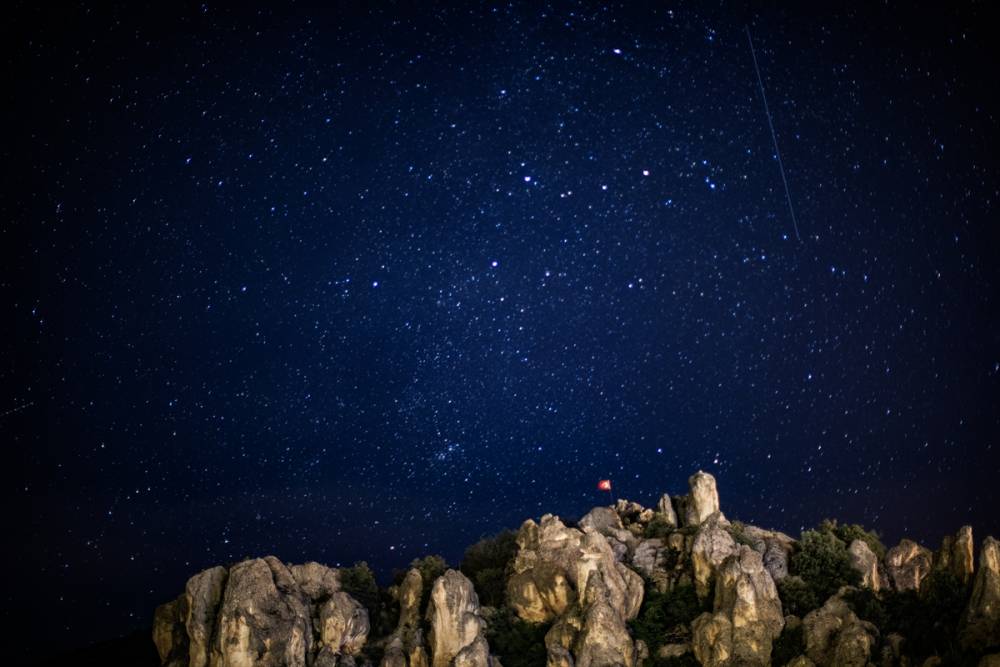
(260, 612)
(907, 564)
(981, 621)
(864, 560)
(836, 637)
(746, 615)
(702, 500)
(456, 637)
(587, 583)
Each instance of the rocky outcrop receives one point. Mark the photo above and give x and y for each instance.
(553, 566)
(260, 612)
(607, 522)
(712, 544)
(981, 619)
(774, 547)
(746, 618)
(457, 635)
(956, 555)
(703, 499)
(593, 634)
(907, 564)
(835, 637)
(864, 560)
(405, 647)
(665, 508)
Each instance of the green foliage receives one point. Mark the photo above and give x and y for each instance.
(823, 563)
(797, 597)
(430, 568)
(517, 643)
(358, 581)
(662, 612)
(849, 532)
(929, 620)
(658, 527)
(486, 564)
(789, 644)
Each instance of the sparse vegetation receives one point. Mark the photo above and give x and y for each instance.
(659, 527)
(517, 643)
(849, 532)
(661, 613)
(486, 563)
(823, 564)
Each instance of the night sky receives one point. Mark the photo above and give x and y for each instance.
(339, 284)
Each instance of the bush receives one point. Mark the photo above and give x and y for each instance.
(737, 530)
(849, 532)
(486, 563)
(823, 563)
(686, 660)
(662, 612)
(658, 527)
(517, 643)
(789, 644)
(358, 581)
(797, 597)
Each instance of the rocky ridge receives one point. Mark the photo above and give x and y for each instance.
(676, 584)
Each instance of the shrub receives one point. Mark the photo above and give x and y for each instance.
(517, 643)
(686, 660)
(823, 563)
(849, 532)
(658, 527)
(662, 612)
(797, 597)
(789, 644)
(358, 581)
(737, 530)
(486, 563)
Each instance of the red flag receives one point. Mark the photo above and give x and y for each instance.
(604, 485)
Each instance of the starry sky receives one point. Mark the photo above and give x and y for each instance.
(355, 283)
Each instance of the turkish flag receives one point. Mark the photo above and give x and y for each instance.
(604, 485)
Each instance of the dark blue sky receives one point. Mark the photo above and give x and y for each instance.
(341, 284)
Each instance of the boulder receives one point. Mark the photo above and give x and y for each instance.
(169, 635)
(553, 566)
(665, 508)
(746, 615)
(907, 564)
(712, 544)
(702, 500)
(864, 560)
(835, 637)
(457, 629)
(980, 626)
(607, 522)
(203, 595)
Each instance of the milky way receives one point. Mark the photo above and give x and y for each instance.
(366, 284)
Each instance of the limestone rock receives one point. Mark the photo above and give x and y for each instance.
(712, 544)
(774, 547)
(981, 619)
(864, 560)
(607, 522)
(836, 637)
(702, 500)
(956, 555)
(747, 614)
(992, 660)
(801, 661)
(259, 623)
(593, 634)
(553, 566)
(907, 564)
(263, 613)
(343, 625)
(665, 508)
(457, 629)
(410, 592)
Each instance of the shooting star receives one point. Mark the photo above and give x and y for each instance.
(774, 137)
